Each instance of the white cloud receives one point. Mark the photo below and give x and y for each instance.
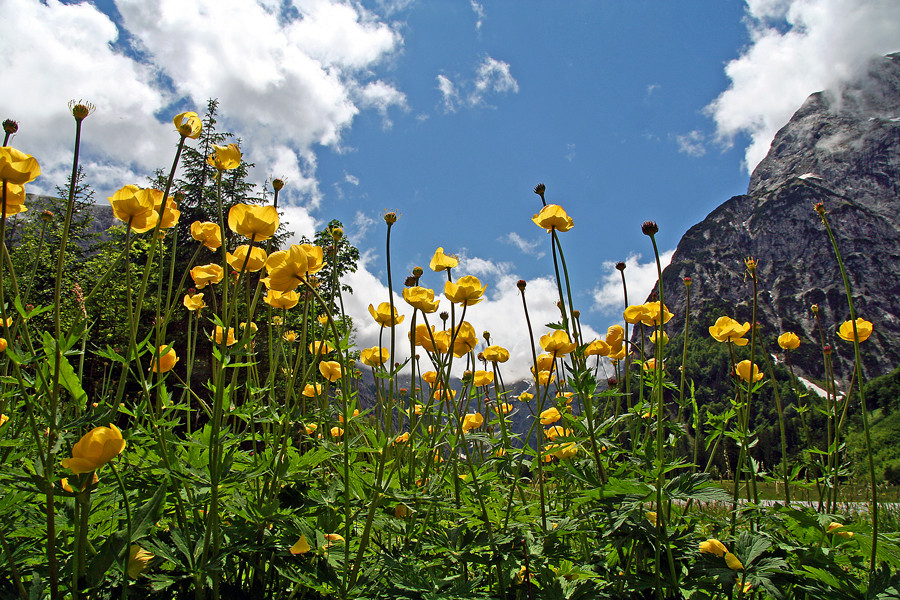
(293, 85)
(298, 221)
(797, 47)
(639, 276)
(351, 179)
(492, 76)
(527, 247)
(478, 9)
(692, 143)
(361, 226)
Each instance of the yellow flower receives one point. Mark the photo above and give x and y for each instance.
(254, 222)
(355, 414)
(188, 124)
(3, 346)
(597, 348)
(194, 301)
(3, 420)
(423, 337)
(557, 430)
(207, 233)
(277, 320)
(310, 428)
(665, 337)
(225, 158)
(238, 259)
(172, 214)
(567, 450)
(863, 330)
(733, 562)
(287, 268)
(253, 327)
(165, 359)
(743, 370)
(635, 313)
(496, 354)
(320, 347)
(651, 516)
(15, 198)
(135, 206)
(655, 311)
(466, 291)
(545, 362)
(206, 274)
(336, 432)
(713, 546)
(16, 167)
(557, 343)
(481, 378)
(472, 421)
(95, 448)
(289, 336)
(330, 370)
(138, 559)
(375, 356)
(545, 378)
(421, 298)
(217, 335)
(430, 377)
(384, 316)
(525, 397)
(301, 546)
(727, 329)
(553, 216)
(789, 341)
(402, 438)
(311, 390)
(550, 416)
(442, 262)
(285, 300)
(615, 338)
(504, 408)
(835, 527)
(465, 341)
(401, 511)
(333, 538)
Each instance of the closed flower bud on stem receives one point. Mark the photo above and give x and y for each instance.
(417, 271)
(521, 285)
(10, 126)
(687, 281)
(390, 217)
(649, 228)
(620, 265)
(277, 184)
(46, 216)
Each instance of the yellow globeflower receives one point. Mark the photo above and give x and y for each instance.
(597, 348)
(789, 341)
(3, 345)
(290, 336)
(336, 432)
(423, 337)
(229, 340)
(566, 451)
(863, 330)
(206, 274)
(172, 214)
(95, 448)
(285, 300)
(654, 312)
(253, 222)
(496, 354)
(635, 313)
(713, 546)
(287, 268)
(301, 546)
(188, 124)
(225, 158)
(3, 420)
(727, 329)
(165, 359)
(16, 167)
(385, 316)
(330, 370)
(138, 559)
(733, 562)
(311, 390)
(135, 206)
(557, 430)
(442, 262)
(550, 416)
(207, 233)
(465, 341)
(15, 198)
(375, 356)
(835, 528)
(421, 298)
(466, 291)
(320, 347)
(430, 377)
(472, 421)
(402, 438)
(482, 378)
(240, 262)
(553, 216)
(194, 301)
(557, 343)
(525, 397)
(744, 370)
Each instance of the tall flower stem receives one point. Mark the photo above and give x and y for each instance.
(859, 385)
(539, 395)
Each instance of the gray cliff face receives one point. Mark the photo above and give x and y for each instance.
(841, 149)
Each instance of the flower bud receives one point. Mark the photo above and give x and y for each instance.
(179, 197)
(576, 314)
(337, 233)
(620, 265)
(46, 216)
(612, 382)
(486, 335)
(750, 262)
(417, 271)
(650, 228)
(687, 281)
(480, 356)
(539, 189)
(390, 217)
(521, 285)
(827, 350)
(815, 309)
(819, 207)
(80, 110)
(444, 315)
(277, 184)
(10, 126)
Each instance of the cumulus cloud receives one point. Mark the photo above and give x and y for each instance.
(500, 313)
(797, 47)
(640, 277)
(492, 76)
(295, 84)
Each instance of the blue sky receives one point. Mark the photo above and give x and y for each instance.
(448, 112)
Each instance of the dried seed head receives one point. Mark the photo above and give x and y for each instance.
(539, 189)
(390, 217)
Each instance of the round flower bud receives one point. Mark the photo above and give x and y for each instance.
(650, 228)
(620, 265)
(687, 281)
(521, 285)
(46, 216)
(417, 271)
(81, 110)
(10, 126)
(390, 217)
(277, 184)
(815, 309)
(612, 382)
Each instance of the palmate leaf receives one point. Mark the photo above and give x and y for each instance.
(698, 487)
